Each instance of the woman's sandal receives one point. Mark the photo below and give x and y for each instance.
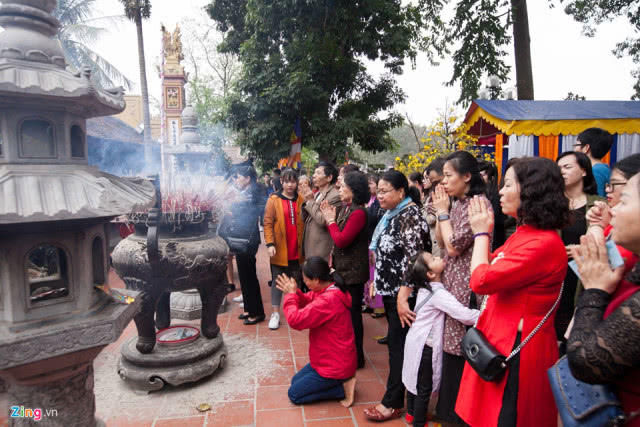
(257, 319)
(374, 415)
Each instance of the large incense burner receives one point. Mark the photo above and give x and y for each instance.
(172, 253)
(174, 248)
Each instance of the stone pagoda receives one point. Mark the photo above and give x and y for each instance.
(56, 310)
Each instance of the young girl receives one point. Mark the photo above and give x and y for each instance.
(422, 367)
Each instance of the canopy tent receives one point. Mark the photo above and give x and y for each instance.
(548, 128)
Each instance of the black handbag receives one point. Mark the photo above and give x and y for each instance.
(237, 245)
(483, 357)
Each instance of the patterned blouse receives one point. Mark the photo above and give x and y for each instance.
(457, 270)
(406, 235)
(600, 349)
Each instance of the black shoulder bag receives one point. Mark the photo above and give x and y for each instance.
(483, 357)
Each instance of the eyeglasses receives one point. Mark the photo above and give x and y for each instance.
(578, 145)
(383, 192)
(610, 186)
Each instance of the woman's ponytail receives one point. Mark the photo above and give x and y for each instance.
(339, 281)
(414, 193)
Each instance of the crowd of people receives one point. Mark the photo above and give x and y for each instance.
(456, 249)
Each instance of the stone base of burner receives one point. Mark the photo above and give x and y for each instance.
(187, 305)
(171, 365)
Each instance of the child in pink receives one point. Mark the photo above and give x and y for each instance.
(422, 366)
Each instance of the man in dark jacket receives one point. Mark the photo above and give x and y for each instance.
(244, 225)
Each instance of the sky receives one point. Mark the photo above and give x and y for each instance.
(563, 59)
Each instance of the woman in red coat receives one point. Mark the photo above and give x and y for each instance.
(522, 280)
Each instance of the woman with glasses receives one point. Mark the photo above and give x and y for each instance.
(433, 176)
(582, 191)
(599, 218)
(603, 344)
(400, 235)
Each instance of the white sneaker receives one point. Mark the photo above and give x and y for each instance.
(237, 299)
(274, 321)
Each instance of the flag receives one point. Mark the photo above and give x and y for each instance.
(295, 156)
(282, 163)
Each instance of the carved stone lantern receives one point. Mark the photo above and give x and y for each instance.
(54, 215)
(188, 155)
(191, 156)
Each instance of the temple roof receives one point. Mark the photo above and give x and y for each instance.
(114, 129)
(28, 80)
(67, 192)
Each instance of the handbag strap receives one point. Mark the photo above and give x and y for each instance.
(537, 328)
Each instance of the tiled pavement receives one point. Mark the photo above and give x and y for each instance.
(265, 402)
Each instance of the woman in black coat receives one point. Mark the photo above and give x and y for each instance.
(244, 225)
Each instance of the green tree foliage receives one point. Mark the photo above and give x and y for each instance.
(306, 59)
(480, 34)
(79, 29)
(592, 13)
(404, 143)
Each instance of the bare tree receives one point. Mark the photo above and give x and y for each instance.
(415, 133)
(201, 40)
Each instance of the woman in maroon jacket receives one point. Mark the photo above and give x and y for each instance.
(325, 311)
(350, 253)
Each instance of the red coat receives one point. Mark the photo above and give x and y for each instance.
(523, 282)
(332, 344)
(628, 387)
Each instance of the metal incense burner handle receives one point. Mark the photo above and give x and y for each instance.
(153, 220)
(152, 235)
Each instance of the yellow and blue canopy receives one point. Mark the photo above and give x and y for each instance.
(513, 128)
(555, 117)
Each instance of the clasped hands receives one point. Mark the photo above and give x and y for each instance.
(328, 211)
(599, 214)
(305, 190)
(593, 264)
(598, 218)
(286, 284)
(480, 216)
(440, 200)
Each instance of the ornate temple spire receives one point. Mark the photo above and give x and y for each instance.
(30, 31)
